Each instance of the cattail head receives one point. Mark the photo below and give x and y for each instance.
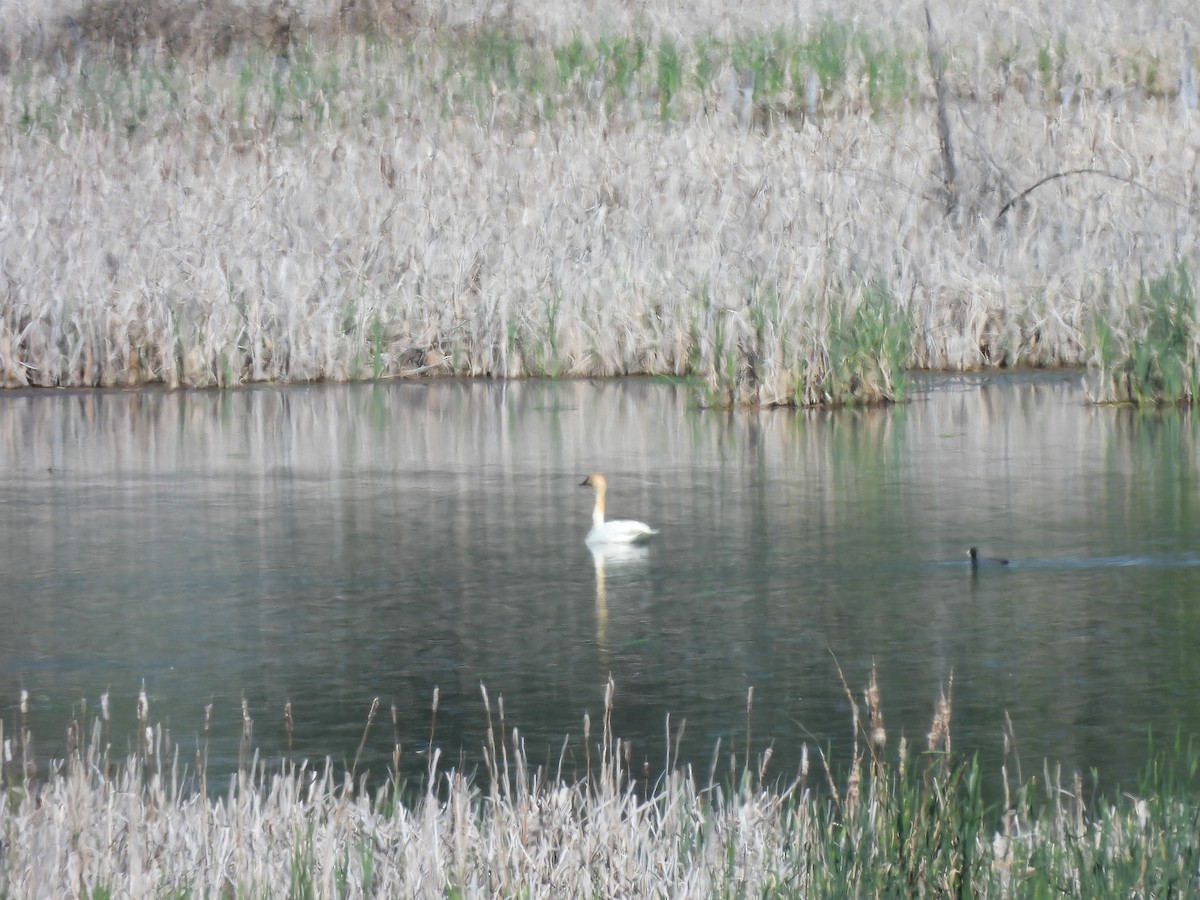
(766, 761)
(939, 732)
(878, 738)
(877, 733)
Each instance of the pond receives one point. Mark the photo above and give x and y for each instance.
(329, 545)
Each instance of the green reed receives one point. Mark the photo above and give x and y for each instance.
(1155, 358)
(849, 346)
(669, 75)
(868, 345)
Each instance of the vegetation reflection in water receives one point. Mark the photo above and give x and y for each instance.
(311, 550)
(327, 546)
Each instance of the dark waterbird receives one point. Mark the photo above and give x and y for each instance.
(985, 561)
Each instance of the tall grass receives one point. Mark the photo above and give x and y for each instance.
(372, 197)
(845, 346)
(1153, 357)
(893, 822)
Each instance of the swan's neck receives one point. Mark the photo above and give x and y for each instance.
(598, 509)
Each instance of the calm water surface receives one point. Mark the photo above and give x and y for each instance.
(329, 545)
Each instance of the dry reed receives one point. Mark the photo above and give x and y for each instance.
(754, 204)
(88, 826)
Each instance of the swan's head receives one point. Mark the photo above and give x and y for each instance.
(595, 481)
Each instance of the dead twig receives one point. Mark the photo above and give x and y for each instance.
(938, 65)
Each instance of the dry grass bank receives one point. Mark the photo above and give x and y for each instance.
(895, 821)
(761, 205)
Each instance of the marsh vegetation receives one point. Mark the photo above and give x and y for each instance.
(914, 820)
(785, 210)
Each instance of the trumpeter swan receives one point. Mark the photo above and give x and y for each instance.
(617, 531)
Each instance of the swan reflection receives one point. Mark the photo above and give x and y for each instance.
(614, 557)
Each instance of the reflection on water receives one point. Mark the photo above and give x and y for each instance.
(329, 545)
(620, 558)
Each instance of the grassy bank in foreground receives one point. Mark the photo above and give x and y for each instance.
(783, 213)
(902, 823)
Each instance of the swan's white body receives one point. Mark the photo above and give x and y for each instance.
(618, 531)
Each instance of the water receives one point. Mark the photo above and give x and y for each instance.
(333, 544)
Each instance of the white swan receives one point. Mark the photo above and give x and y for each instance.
(618, 531)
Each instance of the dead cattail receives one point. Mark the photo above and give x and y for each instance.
(143, 706)
(247, 733)
(939, 732)
(366, 730)
(877, 734)
(749, 718)
(434, 710)
(764, 763)
(587, 744)
(288, 724)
